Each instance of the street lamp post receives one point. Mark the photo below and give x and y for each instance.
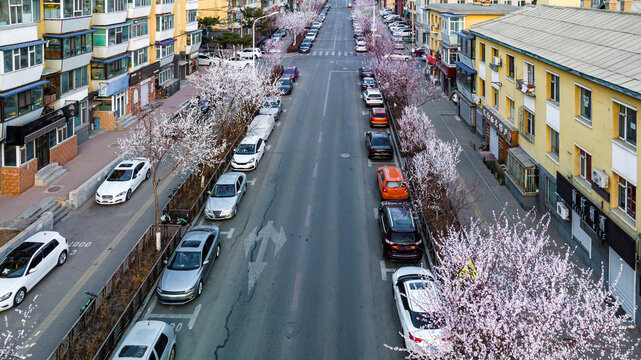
(254, 37)
(413, 2)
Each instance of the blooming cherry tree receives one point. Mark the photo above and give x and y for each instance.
(295, 22)
(402, 82)
(505, 295)
(14, 343)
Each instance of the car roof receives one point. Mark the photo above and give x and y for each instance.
(129, 164)
(250, 139)
(373, 91)
(228, 178)
(400, 216)
(392, 173)
(143, 333)
(43, 236)
(378, 110)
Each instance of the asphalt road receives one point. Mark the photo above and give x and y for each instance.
(325, 293)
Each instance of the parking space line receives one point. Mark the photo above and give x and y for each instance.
(268, 147)
(296, 292)
(364, 112)
(278, 124)
(369, 163)
(229, 233)
(385, 270)
(376, 213)
(308, 219)
(171, 316)
(194, 316)
(320, 137)
(251, 182)
(315, 169)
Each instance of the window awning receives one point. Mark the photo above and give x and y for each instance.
(21, 45)
(110, 60)
(68, 35)
(453, 15)
(522, 157)
(465, 68)
(110, 26)
(23, 88)
(464, 35)
(447, 46)
(165, 42)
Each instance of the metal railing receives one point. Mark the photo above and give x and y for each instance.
(87, 321)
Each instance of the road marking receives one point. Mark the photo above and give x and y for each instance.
(284, 110)
(385, 270)
(192, 317)
(320, 137)
(229, 233)
(267, 233)
(81, 283)
(278, 124)
(252, 181)
(315, 168)
(296, 292)
(375, 213)
(192, 321)
(364, 112)
(268, 147)
(326, 53)
(308, 216)
(369, 163)
(332, 53)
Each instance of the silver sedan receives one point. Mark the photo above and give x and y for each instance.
(224, 199)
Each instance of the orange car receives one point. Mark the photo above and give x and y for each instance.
(378, 117)
(392, 183)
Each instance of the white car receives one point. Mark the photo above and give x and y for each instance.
(311, 36)
(28, 263)
(272, 106)
(205, 60)
(403, 33)
(248, 53)
(372, 97)
(397, 56)
(248, 153)
(261, 126)
(361, 47)
(417, 302)
(238, 62)
(148, 339)
(224, 199)
(123, 180)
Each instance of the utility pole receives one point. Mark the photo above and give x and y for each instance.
(413, 2)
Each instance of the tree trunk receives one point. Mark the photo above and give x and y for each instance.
(158, 237)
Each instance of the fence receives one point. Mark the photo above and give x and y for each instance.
(86, 322)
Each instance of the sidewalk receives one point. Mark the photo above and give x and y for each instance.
(92, 156)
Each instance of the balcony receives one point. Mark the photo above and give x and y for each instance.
(139, 11)
(110, 50)
(165, 8)
(109, 18)
(164, 34)
(138, 42)
(193, 26)
(167, 60)
(69, 63)
(192, 5)
(20, 77)
(111, 86)
(18, 33)
(449, 70)
(624, 159)
(449, 38)
(525, 88)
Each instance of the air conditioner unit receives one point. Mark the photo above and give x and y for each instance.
(496, 61)
(562, 210)
(600, 178)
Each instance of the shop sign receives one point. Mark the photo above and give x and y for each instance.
(502, 128)
(591, 215)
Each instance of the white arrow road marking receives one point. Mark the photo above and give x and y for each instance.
(385, 270)
(251, 182)
(229, 233)
(267, 233)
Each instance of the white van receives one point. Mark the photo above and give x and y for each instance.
(262, 126)
(148, 339)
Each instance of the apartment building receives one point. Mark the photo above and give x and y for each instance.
(559, 89)
(75, 66)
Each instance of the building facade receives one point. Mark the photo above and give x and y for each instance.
(564, 123)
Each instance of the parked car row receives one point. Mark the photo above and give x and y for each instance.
(414, 289)
(306, 45)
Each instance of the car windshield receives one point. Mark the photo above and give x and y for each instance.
(120, 175)
(224, 190)
(290, 72)
(132, 351)
(246, 149)
(184, 260)
(15, 264)
(285, 81)
(379, 115)
(368, 81)
(403, 238)
(375, 96)
(380, 141)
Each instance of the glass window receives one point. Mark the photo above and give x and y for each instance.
(10, 107)
(30, 150)
(510, 66)
(554, 142)
(191, 16)
(495, 98)
(526, 178)
(585, 103)
(52, 139)
(554, 87)
(67, 8)
(10, 156)
(528, 124)
(36, 10)
(529, 71)
(482, 51)
(627, 118)
(510, 106)
(8, 61)
(627, 195)
(585, 165)
(551, 192)
(99, 6)
(51, 9)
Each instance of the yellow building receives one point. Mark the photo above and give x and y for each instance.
(445, 21)
(222, 9)
(559, 89)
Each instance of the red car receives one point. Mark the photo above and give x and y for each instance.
(291, 72)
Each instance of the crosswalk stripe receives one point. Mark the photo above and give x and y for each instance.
(332, 53)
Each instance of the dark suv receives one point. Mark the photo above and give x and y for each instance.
(399, 235)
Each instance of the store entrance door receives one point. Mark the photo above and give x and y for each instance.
(42, 150)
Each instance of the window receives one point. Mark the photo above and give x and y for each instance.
(627, 195)
(510, 106)
(22, 58)
(551, 192)
(191, 16)
(81, 118)
(482, 87)
(554, 87)
(165, 22)
(73, 79)
(52, 139)
(482, 51)
(525, 178)
(585, 103)
(62, 133)
(22, 103)
(495, 53)
(165, 75)
(529, 73)
(554, 142)
(164, 2)
(510, 66)
(194, 38)
(139, 57)
(102, 71)
(104, 6)
(627, 119)
(585, 165)
(450, 25)
(139, 27)
(495, 98)
(161, 344)
(164, 50)
(118, 35)
(528, 125)
(466, 79)
(10, 156)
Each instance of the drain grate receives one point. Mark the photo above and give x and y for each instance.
(346, 155)
(115, 145)
(290, 329)
(54, 188)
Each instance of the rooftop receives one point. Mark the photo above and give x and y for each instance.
(471, 9)
(601, 46)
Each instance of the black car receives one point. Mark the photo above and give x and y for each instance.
(285, 85)
(399, 236)
(366, 72)
(368, 82)
(304, 47)
(378, 145)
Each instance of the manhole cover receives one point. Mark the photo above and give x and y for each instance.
(290, 330)
(346, 155)
(114, 145)
(54, 188)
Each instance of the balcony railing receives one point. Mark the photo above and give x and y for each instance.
(524, 87)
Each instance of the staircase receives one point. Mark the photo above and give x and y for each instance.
(49, 173)
(125, 122)
(55, 206)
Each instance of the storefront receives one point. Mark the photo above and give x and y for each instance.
(446, 76)
(465, 88)
(141, 87)
(500, 135)
(601, 241)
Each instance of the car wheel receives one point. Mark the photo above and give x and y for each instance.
(148, 174)
(235, 211)
(62, 258)
(19, 298)
(172, 354)
(200, 287)
(217, 251)
(128, 194)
